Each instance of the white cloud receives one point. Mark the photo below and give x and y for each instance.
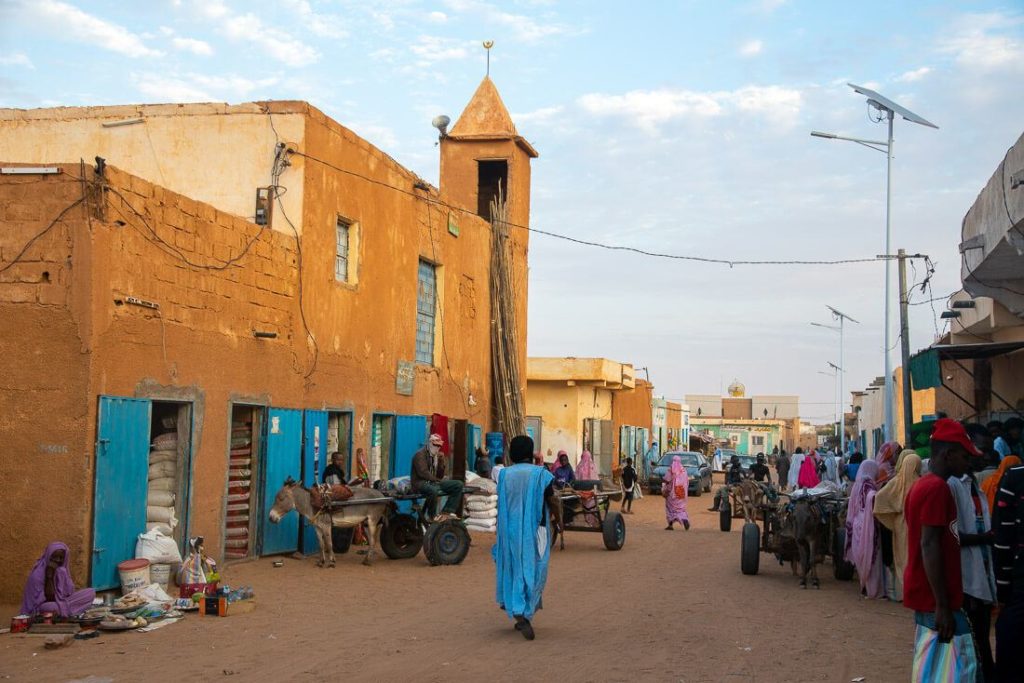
(16, 59)
(73, 23)
(437, 17)
(649, 109)
(986, 42)
(323, 25)
(539, 116)
(198, 47)
(381, 136)
(525, 28)
(195, 87)
(432, 49)
(248, 27)
(751, 48)
(914, 75)
(769, 6)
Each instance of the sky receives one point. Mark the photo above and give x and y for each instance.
(673, 127)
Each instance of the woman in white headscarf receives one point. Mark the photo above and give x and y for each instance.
(794, 467)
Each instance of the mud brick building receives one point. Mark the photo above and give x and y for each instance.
(227, 296)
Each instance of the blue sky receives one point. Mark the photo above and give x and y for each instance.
(676, 127)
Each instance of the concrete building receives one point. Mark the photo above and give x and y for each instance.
(747, 424)
(164, 301)
(572, 399)
(632, 420)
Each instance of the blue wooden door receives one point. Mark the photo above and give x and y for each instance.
(122, 468)
(314, 459)
(473, 440)
(282, 459)
(410, 436)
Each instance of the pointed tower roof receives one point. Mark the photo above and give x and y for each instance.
(486, 118)
(485, 114)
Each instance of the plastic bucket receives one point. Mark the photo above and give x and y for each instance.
(134, 574)
(161, 574)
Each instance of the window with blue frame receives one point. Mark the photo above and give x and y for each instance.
(341, 252)
(426, 311)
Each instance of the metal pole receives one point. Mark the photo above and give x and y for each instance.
(908, 398)
(842, 408)
(889, 426)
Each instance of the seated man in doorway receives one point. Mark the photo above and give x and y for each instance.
(428, 465)
(335, 472)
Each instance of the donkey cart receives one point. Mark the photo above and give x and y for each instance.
(804, 530)
(443, 542)
(589, 511)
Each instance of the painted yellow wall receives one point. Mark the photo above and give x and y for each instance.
(214, 153)
(557, 405)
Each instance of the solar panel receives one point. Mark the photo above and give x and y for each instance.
(886, 103)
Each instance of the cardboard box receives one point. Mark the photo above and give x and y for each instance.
(220, 607)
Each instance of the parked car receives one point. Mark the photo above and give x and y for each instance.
(697, 469)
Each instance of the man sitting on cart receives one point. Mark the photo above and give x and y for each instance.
(427, 478)
(733, 476)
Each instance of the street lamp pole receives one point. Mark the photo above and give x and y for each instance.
(888, 110)
(841, 328)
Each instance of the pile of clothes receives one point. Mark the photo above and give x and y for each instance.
(482, 504)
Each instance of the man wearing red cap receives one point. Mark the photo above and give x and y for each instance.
(933, 585)
(427, 477)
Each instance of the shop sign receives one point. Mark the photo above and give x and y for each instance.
(405, 377)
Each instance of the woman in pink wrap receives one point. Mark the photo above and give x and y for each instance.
(586, 468)
(863, 541)
(50, 588)
(675, 487)
(886, 458)
(808, 477)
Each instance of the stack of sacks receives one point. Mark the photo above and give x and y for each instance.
(481, 506)
(163, 483)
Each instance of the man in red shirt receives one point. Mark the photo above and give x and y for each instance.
(933, 587)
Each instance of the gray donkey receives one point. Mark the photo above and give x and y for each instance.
(372, 510)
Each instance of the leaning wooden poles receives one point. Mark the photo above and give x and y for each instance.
(509, 410)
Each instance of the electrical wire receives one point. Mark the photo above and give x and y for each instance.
(40, 234)
(590, 243)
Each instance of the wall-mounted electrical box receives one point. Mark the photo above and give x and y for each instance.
(264, 205)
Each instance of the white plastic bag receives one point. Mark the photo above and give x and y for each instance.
(157, 548)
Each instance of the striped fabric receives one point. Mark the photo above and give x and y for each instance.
(935, 662)
(1008, 526)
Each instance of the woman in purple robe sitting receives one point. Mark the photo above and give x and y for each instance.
(50, 588)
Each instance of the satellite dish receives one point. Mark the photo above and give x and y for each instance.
(884, 103)
(441, 123)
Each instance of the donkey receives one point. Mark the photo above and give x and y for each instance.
(806, 520)
(293, 496)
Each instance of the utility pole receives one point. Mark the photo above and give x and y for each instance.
(908, 402)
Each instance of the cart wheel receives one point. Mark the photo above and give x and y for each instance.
(841, 569)
(401, 538)
(614, 530)
(750, 549)
(725, 515)
(446, 542)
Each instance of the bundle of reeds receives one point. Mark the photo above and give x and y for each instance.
(509, 411)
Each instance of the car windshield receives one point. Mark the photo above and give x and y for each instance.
(687, 459)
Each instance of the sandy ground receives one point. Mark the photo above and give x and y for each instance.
(670, 606)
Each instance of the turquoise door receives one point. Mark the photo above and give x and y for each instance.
(122, 468)
(314, 459)
(472, 443)
(282, 458)
(410, 436)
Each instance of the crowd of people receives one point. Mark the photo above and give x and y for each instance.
(943, 535)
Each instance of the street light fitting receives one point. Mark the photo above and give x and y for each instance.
(964, 304)
(950, 314)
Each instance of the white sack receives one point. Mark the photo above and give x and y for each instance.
(157, 548)
(159, 526)
(163, 456)
(493, 498)
(161, 513)
(483, 514)
(163, 469)
(161, 498)
(163, 484)
(475, 506)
